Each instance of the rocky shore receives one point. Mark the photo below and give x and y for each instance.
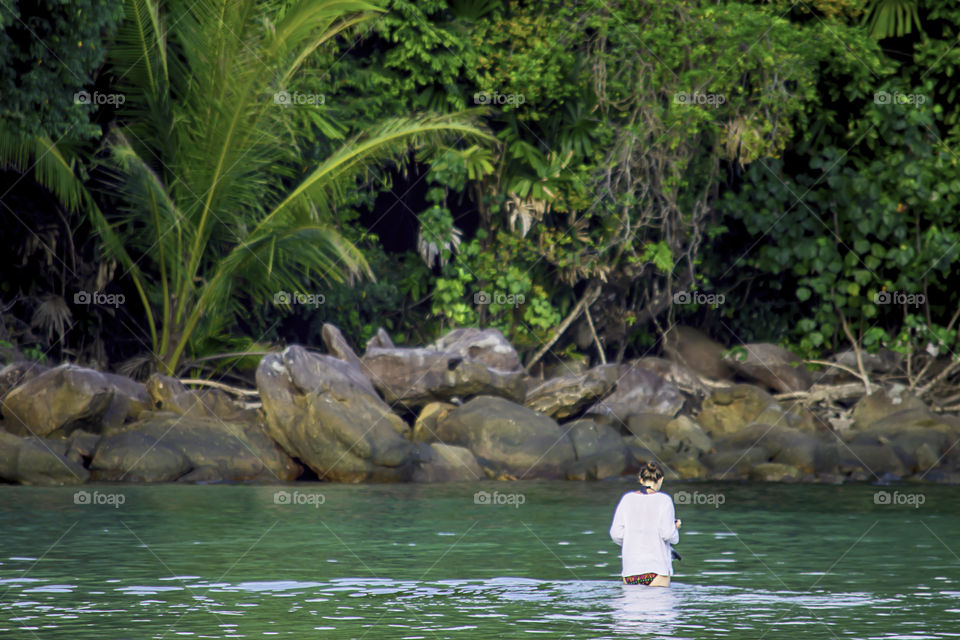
(464, 409)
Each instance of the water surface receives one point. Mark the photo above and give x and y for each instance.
(420, 561)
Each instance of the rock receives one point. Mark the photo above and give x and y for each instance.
(130, 400)
(560, 368)
(599, 449)
(685, 432)
(132, 456)
(58, 401)
(484, 346)
(697, 351)
(320, 413)
(688, 469)
(871, 460)
(509, 438)
(734, 464)
(676, 374)
(447, 463)
(16, 373)
(772, 366)
(567, 395)
(927, 458)
(729, 410)
(81, 446)
(884, 361)
(162, 389)
(380, 340)
(416, 377)
(781, 444)
(31, 461)
(425, 428)
(164, 447)
(337, 345)
(775, 472)
(640, 452)
(882, 404)
(638, 391)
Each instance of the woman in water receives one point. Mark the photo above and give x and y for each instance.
(644, 525)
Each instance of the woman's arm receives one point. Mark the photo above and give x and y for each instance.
(618, 526)
(668, 523)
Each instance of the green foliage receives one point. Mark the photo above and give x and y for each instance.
(49, 53)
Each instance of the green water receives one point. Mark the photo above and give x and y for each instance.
(417, 561)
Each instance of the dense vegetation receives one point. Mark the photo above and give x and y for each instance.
(242, 172)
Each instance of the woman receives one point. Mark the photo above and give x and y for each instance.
(644, 526)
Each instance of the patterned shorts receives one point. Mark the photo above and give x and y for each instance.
(643, 578)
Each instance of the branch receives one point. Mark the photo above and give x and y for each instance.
(589, 297)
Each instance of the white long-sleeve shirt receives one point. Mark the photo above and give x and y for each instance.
(644, 525)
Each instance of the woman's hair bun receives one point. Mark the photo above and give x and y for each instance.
(651, 471)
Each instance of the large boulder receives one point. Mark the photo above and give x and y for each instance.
(416, 377)
(16, 373)
(729, 410)
(425, 427)
(678, 375)
(734, 464)
(164, 447)
(599, 449)
(337, 345)
(697, 351)
(58, 401)
(638, 391)
(485, 346)
(169, 394)
(884, 403)
(772, 366)
(775, 472)
(567, 395)
(780, 443)
(509, 439)
(322, 411)
(33, 461)
(447, 463)
(130, 400)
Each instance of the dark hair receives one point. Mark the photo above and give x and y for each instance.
(651, 471)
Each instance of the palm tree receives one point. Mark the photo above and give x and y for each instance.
(206, 161)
